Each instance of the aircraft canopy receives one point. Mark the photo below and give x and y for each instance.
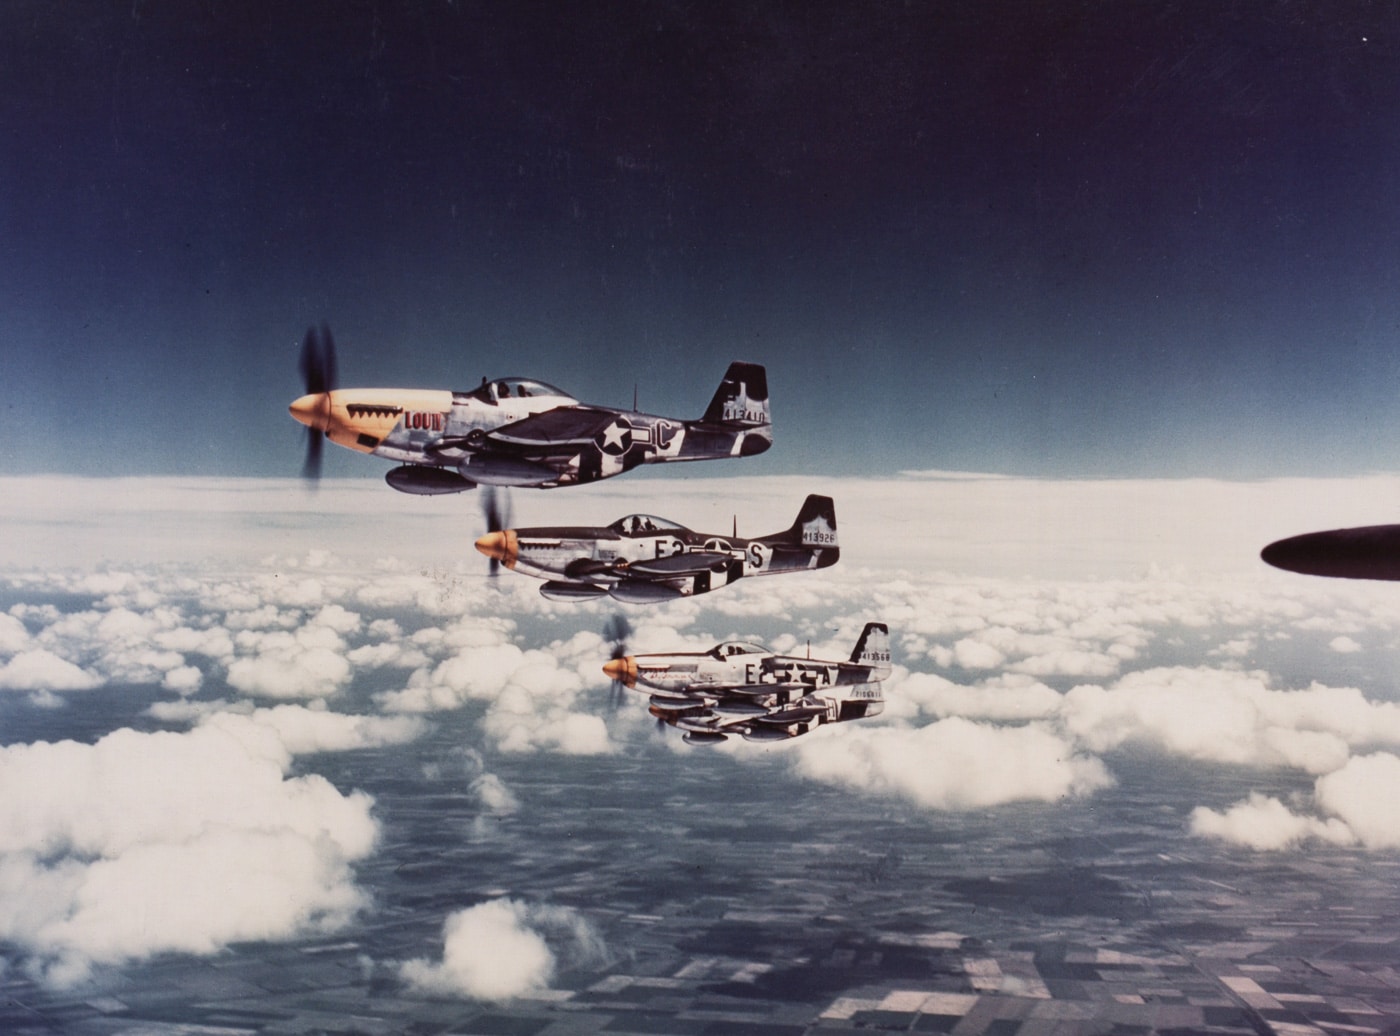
(737, 647)
(519, 388)
(638, 524)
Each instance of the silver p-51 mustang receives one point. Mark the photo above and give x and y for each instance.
(739, 688)
(516, 431)
(642, 559)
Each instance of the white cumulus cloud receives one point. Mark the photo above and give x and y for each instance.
(1229, 716)
(1360, 802)
(41, 670)
(1365, 794)
(307, 663)
(1263, 822)
(953, 763)
(170, 842)
(304, 730)
(14, 637)
(501, 949)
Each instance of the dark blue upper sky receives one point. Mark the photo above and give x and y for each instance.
(1099, 238)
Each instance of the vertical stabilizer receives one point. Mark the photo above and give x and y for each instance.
(815, 525)
(741, 399)
(810, 542)
(873, 650)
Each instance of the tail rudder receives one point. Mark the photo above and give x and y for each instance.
(815, 525)
(873, 649)
(742, 398)
(810, 542)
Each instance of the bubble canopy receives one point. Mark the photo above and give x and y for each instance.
(515, 388)
(639, 524)
(737, 647)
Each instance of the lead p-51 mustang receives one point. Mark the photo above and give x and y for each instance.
(642, 559)
(738, 688)
(517, 431)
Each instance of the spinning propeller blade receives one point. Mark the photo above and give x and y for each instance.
(495, 506)
(616, 631)
(318, 377)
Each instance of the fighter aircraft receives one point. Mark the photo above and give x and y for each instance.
(516, 431)
(642, 559)
(739, 688)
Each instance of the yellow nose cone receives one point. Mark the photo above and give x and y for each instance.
(313, 410)
(623, 670)
(500, 546)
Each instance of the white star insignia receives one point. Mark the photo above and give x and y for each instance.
(615, 437)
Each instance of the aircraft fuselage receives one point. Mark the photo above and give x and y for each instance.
(521, 432)
(744, 689)
(642, 559)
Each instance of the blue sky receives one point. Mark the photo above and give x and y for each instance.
(1111, 240)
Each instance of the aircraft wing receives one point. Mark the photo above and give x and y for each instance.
(792, 714)
(717, 718)
(674, 565)
(561, 430)
(754, 690)
(757, 722)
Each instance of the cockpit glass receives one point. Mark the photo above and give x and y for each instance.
(639, 524)
(737, 647)
(526, 387)
(514, 388)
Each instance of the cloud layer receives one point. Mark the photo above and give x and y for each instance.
(1013, 683)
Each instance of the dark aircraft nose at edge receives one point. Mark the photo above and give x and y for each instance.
(1370, 552)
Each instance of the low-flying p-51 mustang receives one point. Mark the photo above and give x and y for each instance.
(517, 431)
(642, 559)
(738, 688)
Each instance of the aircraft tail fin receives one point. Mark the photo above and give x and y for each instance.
(810, 542)
(873, 650)
(741, 399)
(815, 525)
(814, 531)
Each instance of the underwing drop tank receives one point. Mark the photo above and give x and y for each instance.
(557, 591)
(703, 737)
(421, 480)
